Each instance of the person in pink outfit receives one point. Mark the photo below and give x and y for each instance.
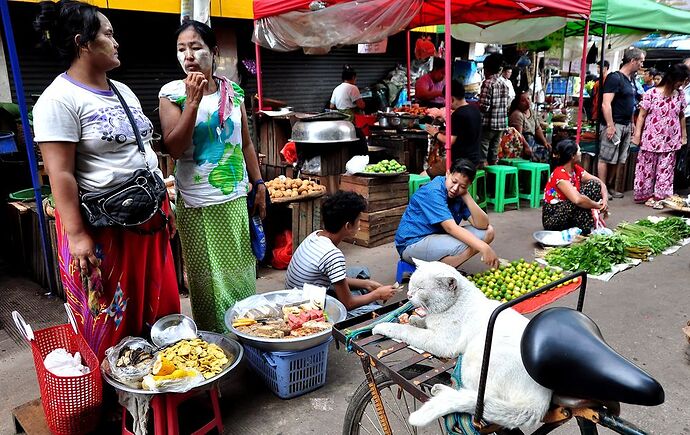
(660, 132)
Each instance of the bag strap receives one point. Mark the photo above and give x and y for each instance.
(140, 142)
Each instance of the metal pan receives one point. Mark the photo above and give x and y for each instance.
(231, 347)
(336, 313)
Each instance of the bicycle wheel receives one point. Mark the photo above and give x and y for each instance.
(361, 417)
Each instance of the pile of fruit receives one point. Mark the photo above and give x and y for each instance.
(283, 187)
(386, 167)
(516, 279)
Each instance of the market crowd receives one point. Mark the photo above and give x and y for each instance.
(116, 262)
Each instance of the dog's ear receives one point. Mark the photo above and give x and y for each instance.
(448, 282)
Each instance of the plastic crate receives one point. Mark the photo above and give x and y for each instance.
(290, 374)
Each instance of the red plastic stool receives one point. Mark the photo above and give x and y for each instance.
(172, 401)
(158, 409)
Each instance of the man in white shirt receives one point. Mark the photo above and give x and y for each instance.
(346, 96)
(506, 73)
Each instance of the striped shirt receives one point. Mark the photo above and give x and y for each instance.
(316, 261)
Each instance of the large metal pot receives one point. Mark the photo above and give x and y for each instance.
(323, 132)
(389, 120)
(407, 121)
(336, 313)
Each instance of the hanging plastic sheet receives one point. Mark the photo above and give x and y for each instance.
(530, 29)
(360, 22)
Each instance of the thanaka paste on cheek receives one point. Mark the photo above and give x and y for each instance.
(180, 58)
(204, 59)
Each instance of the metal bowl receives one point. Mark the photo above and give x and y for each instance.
(389, 120)
(550, 238)
(323, 132)
(161, 335)
(233, 350)
(407, 121)
(336, 313)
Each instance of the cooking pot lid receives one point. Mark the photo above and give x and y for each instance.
(325, 116)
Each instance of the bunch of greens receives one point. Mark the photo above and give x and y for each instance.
(596, 255)
(638, 238)
(674, 228)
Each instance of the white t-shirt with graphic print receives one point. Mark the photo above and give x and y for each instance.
(107, 152)
(212, 170)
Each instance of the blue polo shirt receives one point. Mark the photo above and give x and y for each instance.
(428, 207)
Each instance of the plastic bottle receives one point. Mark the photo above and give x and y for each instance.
(570, 234)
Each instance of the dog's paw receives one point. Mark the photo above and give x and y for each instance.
(440, 389)
(386, 329)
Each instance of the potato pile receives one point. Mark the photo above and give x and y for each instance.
(283, 187)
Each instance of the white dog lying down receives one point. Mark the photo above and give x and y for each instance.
(458, 314)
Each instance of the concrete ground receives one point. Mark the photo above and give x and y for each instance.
(640, 312)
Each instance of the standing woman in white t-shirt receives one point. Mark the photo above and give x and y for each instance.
(346, 97)
(118, 282)
(205, 129)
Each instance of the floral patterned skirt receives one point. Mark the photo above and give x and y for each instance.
(134, 286)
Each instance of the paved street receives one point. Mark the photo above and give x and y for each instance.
(640, 312)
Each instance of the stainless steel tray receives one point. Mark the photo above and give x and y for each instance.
(232, 349)
(336, 313)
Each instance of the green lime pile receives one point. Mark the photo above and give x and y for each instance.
(516, 279)
(386, 167)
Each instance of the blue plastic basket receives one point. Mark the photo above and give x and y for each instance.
(290, 374)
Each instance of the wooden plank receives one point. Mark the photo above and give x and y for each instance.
(373, 181)
(30, 419)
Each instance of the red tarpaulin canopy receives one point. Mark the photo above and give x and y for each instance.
(463, 11)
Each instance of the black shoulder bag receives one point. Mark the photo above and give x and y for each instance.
(132, 202)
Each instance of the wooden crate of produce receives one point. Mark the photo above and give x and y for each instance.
(379, 227)
(306, 218)
(386, 202)
(381, 193)
(332, 182)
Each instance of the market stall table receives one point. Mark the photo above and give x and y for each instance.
(165, 405)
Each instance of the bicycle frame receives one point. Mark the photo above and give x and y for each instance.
(588, 414)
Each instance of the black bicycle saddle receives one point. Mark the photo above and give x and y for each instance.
(563, 350)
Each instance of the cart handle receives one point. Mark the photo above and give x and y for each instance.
(71, 318)
(23, 327)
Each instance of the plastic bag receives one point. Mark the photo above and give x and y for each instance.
(62, 363)
(282, 254)
(312, 166)
(356, 164)
(188, 379)
(130, 374)
(289, 152)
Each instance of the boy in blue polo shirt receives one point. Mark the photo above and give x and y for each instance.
(430, 229)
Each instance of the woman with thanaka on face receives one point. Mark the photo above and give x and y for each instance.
(118, 282)
(205, 129)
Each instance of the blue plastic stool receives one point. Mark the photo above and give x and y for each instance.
(404, 267)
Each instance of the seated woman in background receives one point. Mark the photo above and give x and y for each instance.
(572, 193)
(513, 146)
(523, 119)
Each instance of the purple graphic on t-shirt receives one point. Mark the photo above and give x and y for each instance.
(115, 125)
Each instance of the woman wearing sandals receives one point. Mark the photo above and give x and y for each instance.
(205, 129)
(660, 132)
(118, 281)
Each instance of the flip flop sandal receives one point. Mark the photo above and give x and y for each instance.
(650, 203)
(658, 205)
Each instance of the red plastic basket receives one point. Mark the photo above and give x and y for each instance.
(72, 404)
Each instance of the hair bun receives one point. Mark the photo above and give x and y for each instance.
(46, 19)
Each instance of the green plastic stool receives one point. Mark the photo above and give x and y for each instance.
(479, 195)
(511, 162)
(537, 182)
(417, 181)
(503, 176)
